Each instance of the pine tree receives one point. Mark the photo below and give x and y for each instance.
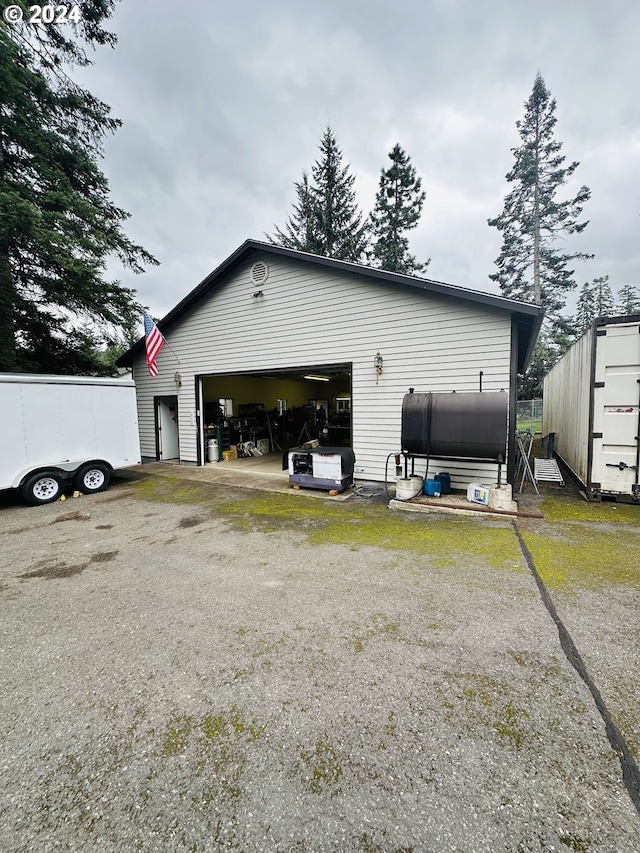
(326, 219)
(397, 209)
(595, 300)
(628, 301)
(532, 264)
(58, 226)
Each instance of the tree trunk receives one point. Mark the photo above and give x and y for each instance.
(537, 290)
(8, 358)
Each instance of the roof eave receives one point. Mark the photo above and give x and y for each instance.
(431, 285)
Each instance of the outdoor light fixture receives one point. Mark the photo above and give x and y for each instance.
(316, 378)
(178, 380)
(377, 363)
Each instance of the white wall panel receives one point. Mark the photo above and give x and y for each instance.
(312, 316)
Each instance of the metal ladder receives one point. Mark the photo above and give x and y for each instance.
(523, 466)
(547, 470)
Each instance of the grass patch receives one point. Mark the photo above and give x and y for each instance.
(585, 559)
(228, 729)
(173, 490)
(476, 702)
(533, 426)
(381, 626)
(446, 541)
(570, 508)
(322, 765)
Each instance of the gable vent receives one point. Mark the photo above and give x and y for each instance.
(259, 273)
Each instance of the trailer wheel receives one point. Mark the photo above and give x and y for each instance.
(93, 477)
(43, 488)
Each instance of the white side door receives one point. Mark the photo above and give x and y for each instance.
(168, 442)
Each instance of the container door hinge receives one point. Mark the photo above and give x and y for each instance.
(596, 435)
(598, 384)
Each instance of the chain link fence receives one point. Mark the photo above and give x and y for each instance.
(529, 415)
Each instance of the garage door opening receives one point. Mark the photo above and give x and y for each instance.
(257, 417)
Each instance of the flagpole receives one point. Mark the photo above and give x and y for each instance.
(170, 347)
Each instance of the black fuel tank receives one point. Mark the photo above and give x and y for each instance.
(460, 424)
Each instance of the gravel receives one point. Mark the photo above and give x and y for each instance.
(172, 683)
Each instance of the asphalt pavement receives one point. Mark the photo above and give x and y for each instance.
(197, 671)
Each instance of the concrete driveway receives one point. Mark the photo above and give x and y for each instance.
(188, 666)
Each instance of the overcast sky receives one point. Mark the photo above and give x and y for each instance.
(224, 104)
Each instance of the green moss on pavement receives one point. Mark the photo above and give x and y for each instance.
(585, 558)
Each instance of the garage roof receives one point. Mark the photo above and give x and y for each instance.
(528, 317)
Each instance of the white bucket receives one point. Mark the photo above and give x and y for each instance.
(418, 484)
(212, 450)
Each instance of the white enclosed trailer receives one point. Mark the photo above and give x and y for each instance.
(591, 401)
(59, 430)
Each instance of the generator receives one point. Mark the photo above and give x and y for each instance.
(321, 467)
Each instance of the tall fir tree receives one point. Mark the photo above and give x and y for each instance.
(595, 300)
(397, 209)
(325, 219)
(58, 225)
(628, 301)
(532, 264)
(300, 231)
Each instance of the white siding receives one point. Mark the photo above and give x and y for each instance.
(566, 401)
(315, 315)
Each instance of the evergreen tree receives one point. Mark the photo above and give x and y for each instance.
(628, 301)
(595, 300)
(58, 226)
(341, 231)
(398, 208)
(532, 264)
(325, 219)
(551, 344)
(300, 232)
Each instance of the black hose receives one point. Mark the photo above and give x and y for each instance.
(386, 469)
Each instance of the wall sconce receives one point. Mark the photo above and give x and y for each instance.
(377, 363)
(178, 380)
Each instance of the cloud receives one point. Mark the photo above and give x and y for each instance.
(224, 105)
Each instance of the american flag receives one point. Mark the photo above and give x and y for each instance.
(154, 342)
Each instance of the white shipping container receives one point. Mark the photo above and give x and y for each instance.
(65, 429)
(591, 401)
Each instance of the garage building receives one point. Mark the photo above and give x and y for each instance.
(276, 346)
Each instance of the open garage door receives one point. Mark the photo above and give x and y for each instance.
(272, 411)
